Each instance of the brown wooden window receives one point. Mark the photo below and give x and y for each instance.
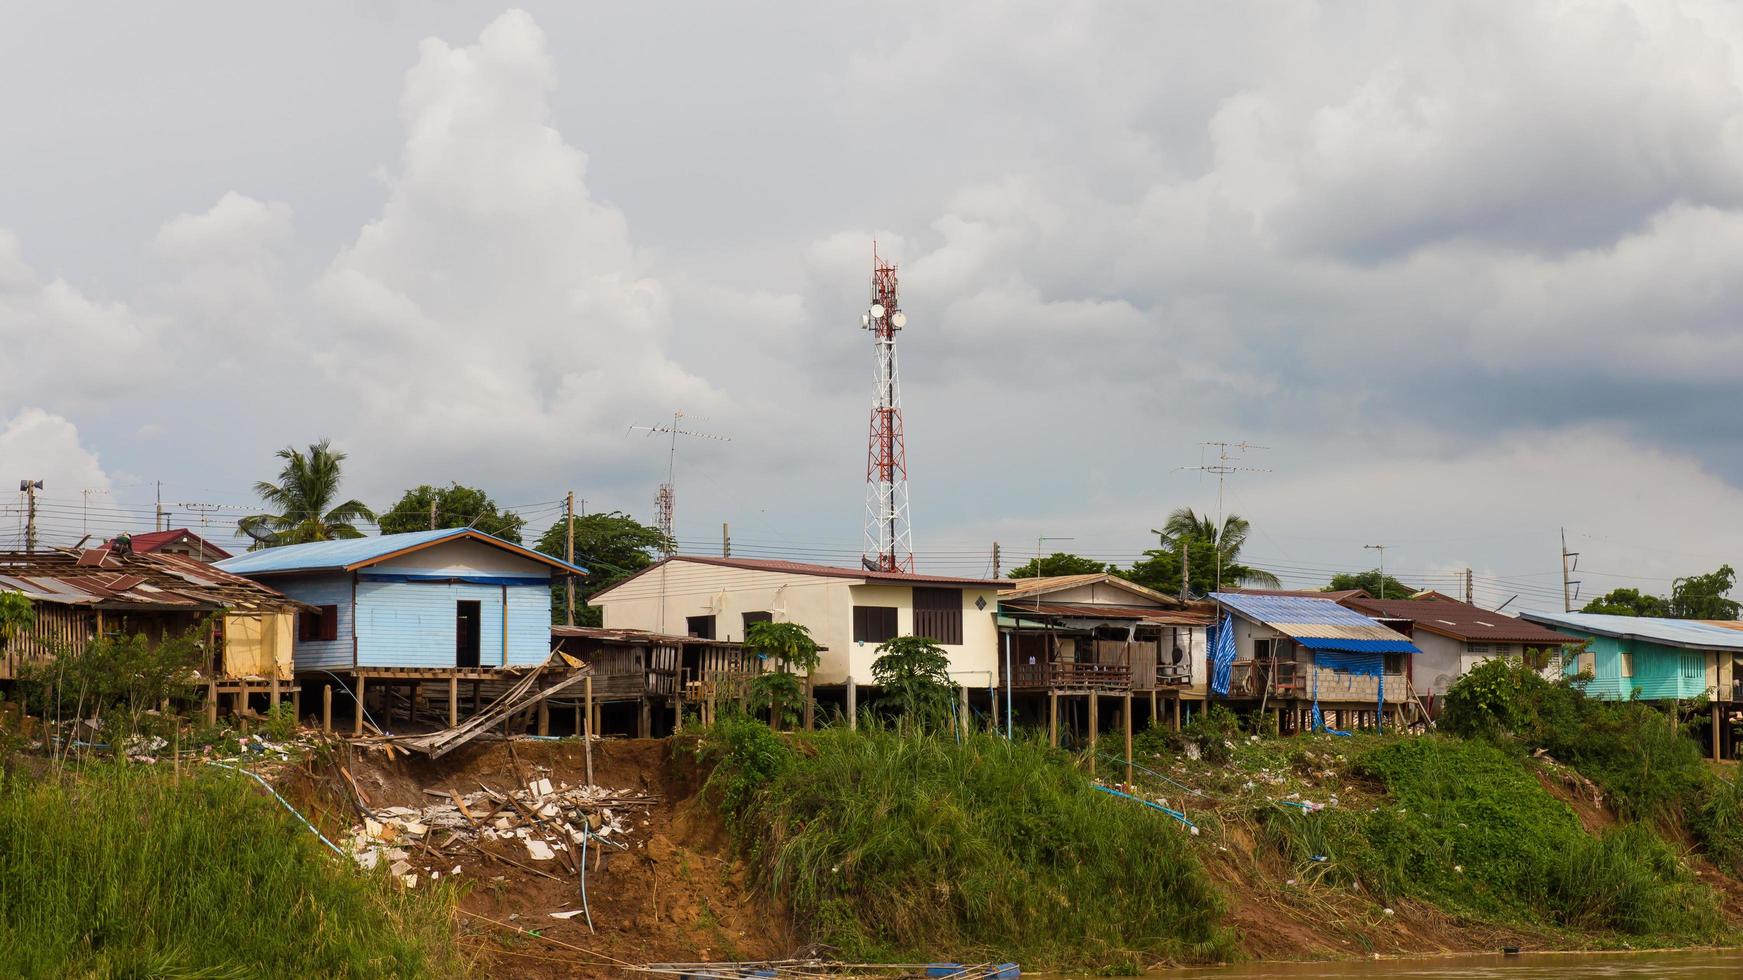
(938, 615)
(874, 624)
(701, 627)
(318, 624)
(756, 617)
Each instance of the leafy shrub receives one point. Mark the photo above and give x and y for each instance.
(1717, 822)
(117, 679)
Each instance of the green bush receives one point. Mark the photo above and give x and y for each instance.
(122, 872)
(908, 846)
(1469, 829)
(1717, 822)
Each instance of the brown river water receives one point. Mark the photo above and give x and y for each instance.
(1703, 965)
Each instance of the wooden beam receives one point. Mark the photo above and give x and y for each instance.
(587, 736)
(327, 708)
(357, 689)
(1053, 718)
(1094, 723)
(544, 718)
(453, 701)
(1127, 711)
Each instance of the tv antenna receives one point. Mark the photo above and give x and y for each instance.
(1226, 463)
(666, 497)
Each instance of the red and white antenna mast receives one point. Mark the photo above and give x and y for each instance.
(889, 540)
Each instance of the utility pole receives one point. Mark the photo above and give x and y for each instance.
(1569, 586)
(1185, 570)
(569, 556)
(432, 513)
(1382, 550)
(159, 525)
(1223, 466)
(1470, 588)
(996, 567)
(725, 540)
(30, 487)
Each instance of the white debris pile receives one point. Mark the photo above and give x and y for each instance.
(547, 822)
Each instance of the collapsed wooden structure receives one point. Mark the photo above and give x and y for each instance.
(79, 595)
(659, 670)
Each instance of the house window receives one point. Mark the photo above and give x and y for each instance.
(756, 617)
(874, 624)
(701, 627)
(1394, 663)
(318, 624)
(1262, 649)
(1627, 662)
(938, 615)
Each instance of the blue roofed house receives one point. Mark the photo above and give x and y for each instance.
(1318, 664)
(447, 603)
(1656, 659)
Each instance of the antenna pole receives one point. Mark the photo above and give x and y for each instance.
(665, 498)
(569, 556)
(889, 541)
(30, 487)
(1569, 586)
(1382, 550)
(1224, 465)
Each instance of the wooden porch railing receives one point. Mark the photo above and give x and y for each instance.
(1068, 674)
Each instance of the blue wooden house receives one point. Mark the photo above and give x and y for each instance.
(453, 599)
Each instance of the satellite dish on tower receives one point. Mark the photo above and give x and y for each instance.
(898, 319)
(877, 310)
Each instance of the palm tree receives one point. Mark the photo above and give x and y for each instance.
(1186, 526)
(303, 499)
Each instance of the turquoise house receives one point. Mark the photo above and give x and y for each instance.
(443, 600)
(1647, 657)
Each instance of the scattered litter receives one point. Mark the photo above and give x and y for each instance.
(566, 915)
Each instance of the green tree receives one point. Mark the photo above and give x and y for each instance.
(1626, 602)
(612, 546)
(914, 673)
(456, 506)
(1204, 547)
(791, 648)
(16, 615)
(1371, 581)
(1704, 596)
(302, 501)
(1059, 563)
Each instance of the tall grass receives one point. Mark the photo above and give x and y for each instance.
(122, 872)
(1469, 829)
(901, 846)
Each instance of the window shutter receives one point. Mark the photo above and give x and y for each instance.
(306, 621)
(938, 615)
(329, 622)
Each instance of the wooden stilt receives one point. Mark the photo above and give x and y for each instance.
(297, 702)
(360, 694)
(577, 719)
(644, 723)
(962, 705)
(272, 691)
(453, 701)
(1094, 723)
(587, 736)
(1126, 710)
(1053, 718)
(544, 718)
(327, 708)
(810, 705)
(1155, 720)
(211, 704)
(1715, 730)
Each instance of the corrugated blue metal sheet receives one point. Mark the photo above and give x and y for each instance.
(412, 624)
(322, 590)
(1319, 624)
(1670, 632)
(350, 553)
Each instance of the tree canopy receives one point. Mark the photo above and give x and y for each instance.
(1059, 563)
(1191, 539)
(1371, 581)
(456, 506)
(1692, 597)
(612, 546)
(302, 501)
(914, 673)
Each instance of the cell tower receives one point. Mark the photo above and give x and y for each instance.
(889, 540)
(666, 497)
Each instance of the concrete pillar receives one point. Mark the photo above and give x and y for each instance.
(852, 705)
(1126, 710)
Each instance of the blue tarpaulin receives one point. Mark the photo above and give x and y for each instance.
(1222, 655)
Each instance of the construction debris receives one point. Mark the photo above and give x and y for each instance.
(522, 696)
(548, 821)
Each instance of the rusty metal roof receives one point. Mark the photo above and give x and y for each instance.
(1058, 583)
(102, 579)
(1459, 620)
(633, 636)
(1099, 610)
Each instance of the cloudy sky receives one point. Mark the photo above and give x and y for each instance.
(1471, 272)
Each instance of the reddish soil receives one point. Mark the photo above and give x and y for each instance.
(677, 894)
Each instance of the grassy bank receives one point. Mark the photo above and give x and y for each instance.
(890, 846)
(127, 872)
(1466, 827)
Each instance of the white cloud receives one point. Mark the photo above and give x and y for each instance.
(37, 445)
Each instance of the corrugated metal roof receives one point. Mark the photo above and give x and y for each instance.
(783, 567)
(1318, 624)
(155, 580)
(353, 553)
(1691, 633)
(1099, 610)
(1023, 587)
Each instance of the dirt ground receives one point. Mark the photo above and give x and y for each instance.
(675, 895)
